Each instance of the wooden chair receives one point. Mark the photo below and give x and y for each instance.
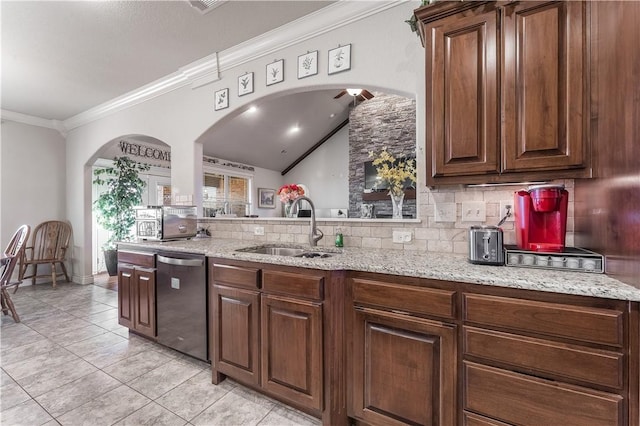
(10, 258)
(49, 244)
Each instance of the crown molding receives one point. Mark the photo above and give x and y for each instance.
(31, 120)
(207, 70)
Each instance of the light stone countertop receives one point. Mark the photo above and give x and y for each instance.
(439, 266)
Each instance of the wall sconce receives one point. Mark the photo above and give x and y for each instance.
(354, 92)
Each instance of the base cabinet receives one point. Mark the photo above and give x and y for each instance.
(236, 332)
(137, 292)
(267, 331)
(292, 349)
(403, 369)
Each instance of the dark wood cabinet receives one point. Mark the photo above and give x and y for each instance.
(267, 330)
(402, 367)
(530, 362)
(235, 332)
(144, 311)
(292, 349)
(507, 85)
(137, 292)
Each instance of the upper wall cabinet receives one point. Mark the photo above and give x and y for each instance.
(507, 91)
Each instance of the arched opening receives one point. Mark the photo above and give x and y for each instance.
(140, 148)
(315, 136)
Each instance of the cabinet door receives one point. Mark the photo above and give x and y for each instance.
(125, 295)
(462, 95)
(235, 321)
(545, 118)
(403, 370)
(144, 312)
(292, 349)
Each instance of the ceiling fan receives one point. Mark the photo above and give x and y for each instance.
(359, 95)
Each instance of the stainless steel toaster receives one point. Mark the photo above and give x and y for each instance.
(485, 245)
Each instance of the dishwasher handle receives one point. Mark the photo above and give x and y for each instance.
(180, 262)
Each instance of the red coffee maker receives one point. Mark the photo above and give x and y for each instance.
(541, 218)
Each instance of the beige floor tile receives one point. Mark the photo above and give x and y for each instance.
(234, 410)
(5, 379)
(12, 395)
(18, 334)
(162, 379)
(93, 344)
(76, 393)
(54, 328)
(152, 415)
(77, 335)
(104, 356)
(29, 413)
(109, 408)
(136, 365)
(284, 416)
(44, 361)
(44, 380)
(193, 396)
(26, 352)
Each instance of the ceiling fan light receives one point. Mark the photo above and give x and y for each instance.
(354, 92)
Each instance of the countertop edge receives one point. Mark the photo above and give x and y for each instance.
(436, 266)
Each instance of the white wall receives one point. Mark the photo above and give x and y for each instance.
(270, 179)
(326, 173)
(32, 188)
(386, 55)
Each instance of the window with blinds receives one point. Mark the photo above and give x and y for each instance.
(226, 194)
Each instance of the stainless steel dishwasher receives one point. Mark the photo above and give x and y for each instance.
(181, 303)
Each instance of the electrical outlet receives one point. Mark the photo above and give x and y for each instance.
(474, 211)
(401, 236)
(445, 212)
(503, 210)
(258, 230)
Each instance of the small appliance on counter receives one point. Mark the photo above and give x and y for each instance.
(164, 223)
(541, 218)
(570, 259)
(485, 245)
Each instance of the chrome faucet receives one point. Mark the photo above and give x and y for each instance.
(315, 234)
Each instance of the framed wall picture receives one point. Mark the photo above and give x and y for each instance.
(339, 59)
(245, 84)
(266, 198)
(308, 64)
(221, 99)
(275, 72)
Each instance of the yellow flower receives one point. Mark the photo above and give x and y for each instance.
(394, 171)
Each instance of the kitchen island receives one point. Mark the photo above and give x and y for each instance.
(393, 337)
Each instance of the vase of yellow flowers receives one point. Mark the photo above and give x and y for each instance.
(288, 193)
(394, 172)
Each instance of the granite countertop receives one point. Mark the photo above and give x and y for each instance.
(438, 266)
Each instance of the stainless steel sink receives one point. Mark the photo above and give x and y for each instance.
(285, 251)
(277, 251)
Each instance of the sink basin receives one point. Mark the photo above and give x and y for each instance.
(285, 251)
(277, 251)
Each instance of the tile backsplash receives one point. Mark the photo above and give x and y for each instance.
(428, 234)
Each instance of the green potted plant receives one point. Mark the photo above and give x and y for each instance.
(122, 192)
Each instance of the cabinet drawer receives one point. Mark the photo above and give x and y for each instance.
(235, 275)
(471, 419)
(137, 258)
(524, 400)
(595, 325)
(305, 286)
(405, 298)
(595, 366)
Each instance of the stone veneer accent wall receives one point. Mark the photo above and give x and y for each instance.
(383, 121)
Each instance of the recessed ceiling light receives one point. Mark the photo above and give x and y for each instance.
(252, 109)
(294, 129)
(332, 115)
